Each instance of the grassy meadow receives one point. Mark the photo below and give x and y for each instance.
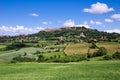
(95, 70)
(83, 70)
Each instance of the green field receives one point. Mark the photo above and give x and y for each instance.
(49, 51)
(2, 46)
(95, 70)
(30, 50)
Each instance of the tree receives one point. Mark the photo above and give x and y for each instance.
(16, 46)
(40, 58)
(102, 51)
(89, 55)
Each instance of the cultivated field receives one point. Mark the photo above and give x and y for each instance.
(49, 51)
(110, 46)
(82, 48)
(99, 70)
(83, 70)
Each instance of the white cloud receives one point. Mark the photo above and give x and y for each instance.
(45, 22)
(82, 25)
(69, 23)
(34, 15)
(108, 20)
(114, 30)
(17, 30)
(98, 8)
(92, 22)
(95, 22)
(116, 16)
(98, 23)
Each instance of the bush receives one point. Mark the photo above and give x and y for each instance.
(40, 58)
(16, 46)
(89, 55)
(102, 51)
(13, 61)
(116, 55)
(107, 57)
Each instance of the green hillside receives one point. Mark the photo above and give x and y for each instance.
(65, 34)
(71, 44)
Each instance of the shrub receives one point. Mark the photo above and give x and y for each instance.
(40, 58)
(13, 61)
(89, 55)
(102, 51)
(107, 57)
(116, 55)
(51, 57)
(55, 56)
(16, 46)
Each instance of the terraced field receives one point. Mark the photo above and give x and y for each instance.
(49, 51)
(72, 48)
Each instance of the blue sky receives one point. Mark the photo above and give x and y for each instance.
(30, 16)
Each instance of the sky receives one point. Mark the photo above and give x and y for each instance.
(31, 16)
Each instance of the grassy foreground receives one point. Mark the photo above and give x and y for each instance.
(96, 70)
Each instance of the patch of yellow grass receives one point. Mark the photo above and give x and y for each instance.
(79, 48)
(82, 48)
(110, 47)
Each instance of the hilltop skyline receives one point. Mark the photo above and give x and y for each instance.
(30, 16)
